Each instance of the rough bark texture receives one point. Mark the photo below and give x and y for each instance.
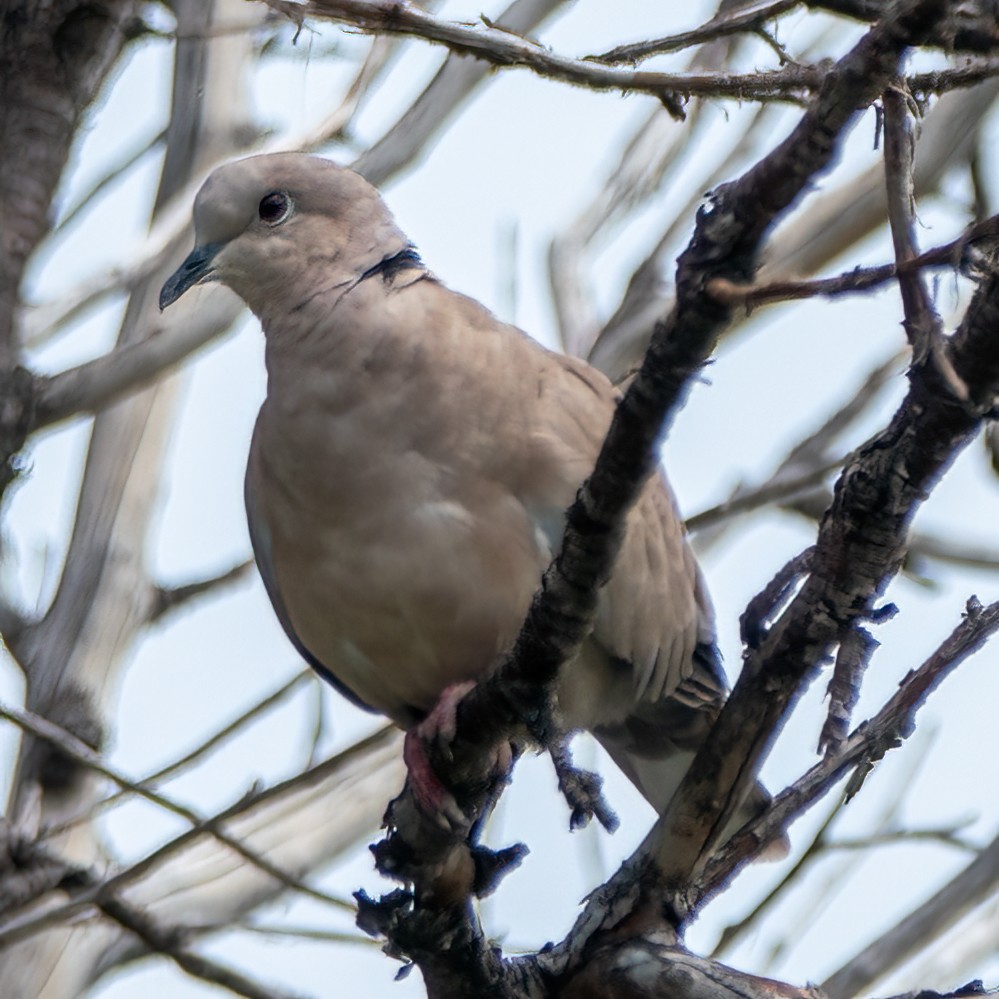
(55, 56)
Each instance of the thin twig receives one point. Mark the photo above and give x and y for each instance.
(778, 489)
(722, 24)
(83, 755)
(170, 598)
(199, 751)
(922, 323)
(946, 836)
(858, 280)
(310, 933)
(865, 746)
(169, 941)
(113, 174)
(18, 928)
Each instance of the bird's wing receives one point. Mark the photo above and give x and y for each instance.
(654, 611)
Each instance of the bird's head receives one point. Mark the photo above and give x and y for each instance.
(261, 222)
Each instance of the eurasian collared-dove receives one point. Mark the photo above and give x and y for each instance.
(410, 468)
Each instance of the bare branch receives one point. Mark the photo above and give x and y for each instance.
(865, 746)
(861, 279)
(974, 885)
(922, 324)
(747, 18)
(78, 751)
(656, 965)
(504, 48)
(60, 83)
(12, 625)
(945, 835)
(168, 599)
(185, 761)
(292, 820)
(852, 659)
(817, 848)
(93, 386)
(967, 27)
(735, 932)
(453, 84)
(657, 150)
(170, 940)
(779, 488)
(835, 221)
(932, 424)
(69, 215)
(309, 933)
(837, 873)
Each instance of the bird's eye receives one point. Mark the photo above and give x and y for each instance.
(274, 208)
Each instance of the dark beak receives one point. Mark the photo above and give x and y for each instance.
(197, 267)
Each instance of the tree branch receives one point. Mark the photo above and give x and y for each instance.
(747, 18)
(974, 885)
(80, 753)
(503, 48)
(453, 84)
(969, 27)
(954, 254)
(185, 761)
(861, 546)
(170, 598)
(864, 747)
(189, 880)
(170, 941)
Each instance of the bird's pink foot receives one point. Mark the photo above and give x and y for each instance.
(438, 727)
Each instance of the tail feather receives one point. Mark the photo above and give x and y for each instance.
(656, 744)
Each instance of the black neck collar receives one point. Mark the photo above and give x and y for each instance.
(389, 267)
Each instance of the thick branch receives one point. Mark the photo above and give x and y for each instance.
(96, 384)
(55, 58)
(503, 48)
(966, 27)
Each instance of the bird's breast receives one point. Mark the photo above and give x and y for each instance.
(402, 565)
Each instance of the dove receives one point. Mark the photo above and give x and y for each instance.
(410, 468)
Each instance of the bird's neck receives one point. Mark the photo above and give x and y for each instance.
(348, 335)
